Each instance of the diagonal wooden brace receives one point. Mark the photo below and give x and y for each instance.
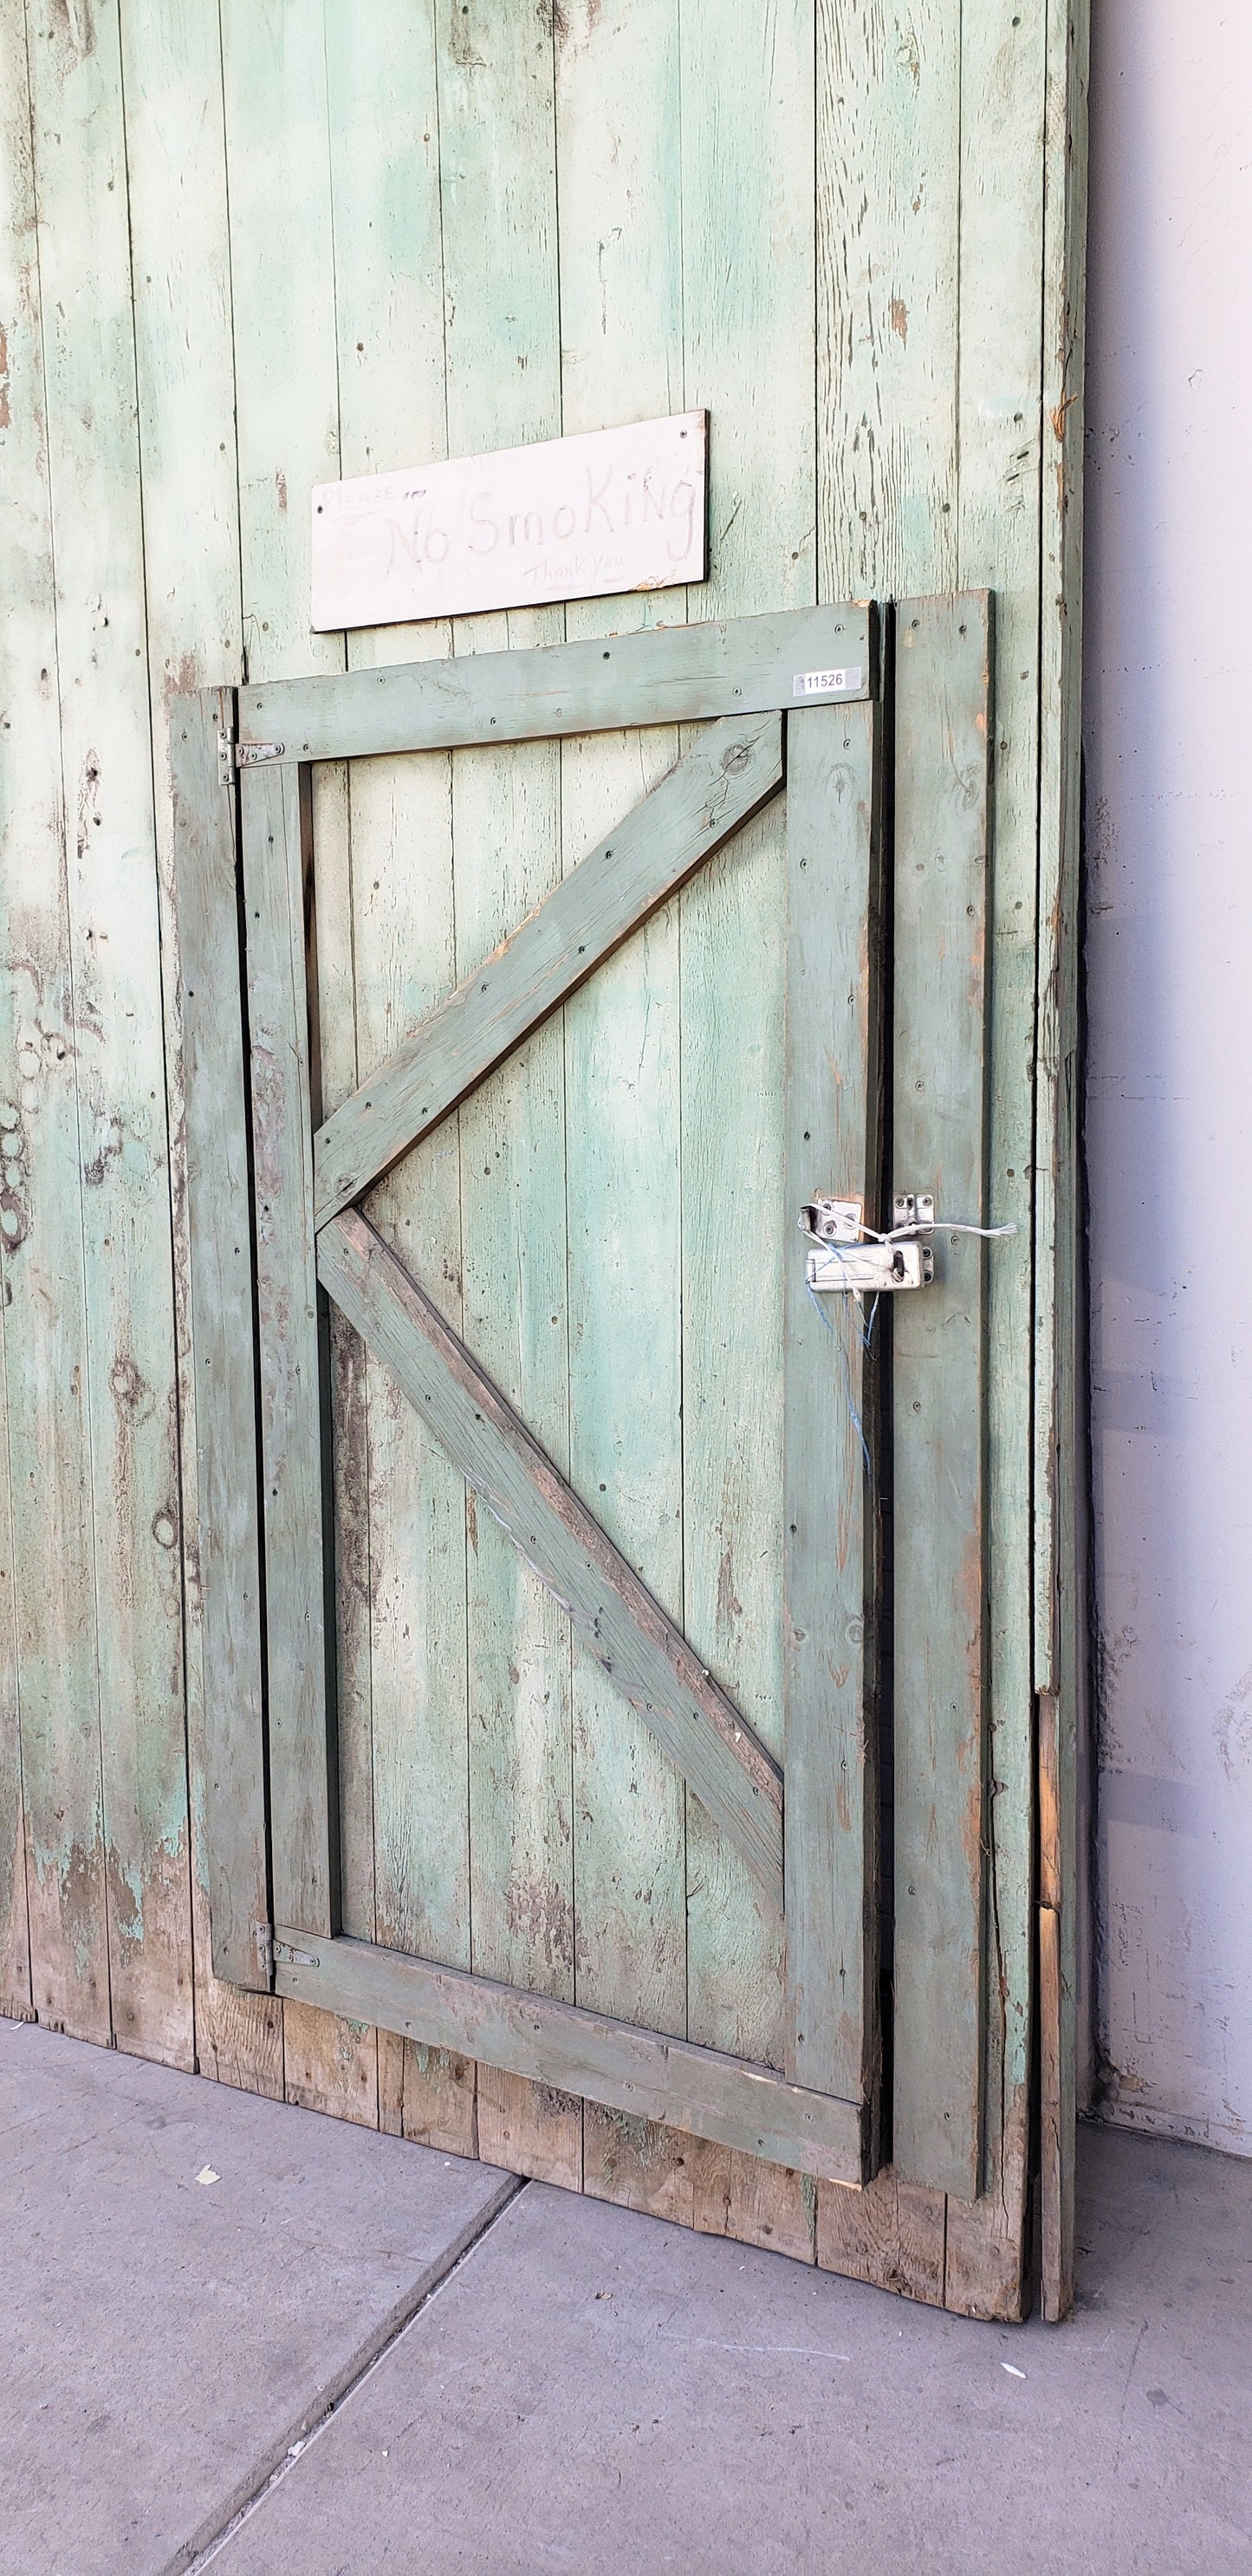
(647, 1657)
(734, 768)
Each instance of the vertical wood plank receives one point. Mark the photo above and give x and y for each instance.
(888, 190)
(748, 301)
(222, 1476)
(124, 1199)
(938, 1388)
(180, 274)
(1001, 263)
(403, 1642)
(893, 2233)
(276, 841)
(1061, 1625)
(40, 1218)
(28, 726)
(15, 1987)
(286, 373)
(618, 162)
(498, 191)
(832, 1143)
(888, 176)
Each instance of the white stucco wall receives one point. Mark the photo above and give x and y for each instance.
(1168, 737)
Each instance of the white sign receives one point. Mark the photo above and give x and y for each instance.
(573, 518)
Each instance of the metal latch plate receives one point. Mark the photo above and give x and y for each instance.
(841, 1260)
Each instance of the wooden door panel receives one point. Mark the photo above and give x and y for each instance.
(623, 1833)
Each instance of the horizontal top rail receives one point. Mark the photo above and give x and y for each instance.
(659, 675)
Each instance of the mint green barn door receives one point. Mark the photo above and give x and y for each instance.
(612, 1711)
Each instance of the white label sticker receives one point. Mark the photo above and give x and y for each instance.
(826, 684)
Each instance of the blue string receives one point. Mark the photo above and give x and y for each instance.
(863, 1332)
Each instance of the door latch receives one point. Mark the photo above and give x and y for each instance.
(843, 1259)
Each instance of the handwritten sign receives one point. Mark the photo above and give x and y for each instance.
(572, 518)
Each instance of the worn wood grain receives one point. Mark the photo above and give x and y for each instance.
(275, 850)
(15, 1990)
(888, 179)
(748, 289)
(726, 665)
(580, 2052)
(619, 252)
(278, 169)
(27, 638)
(428, 2094)
(1061, 1622)
(1002, 259)
(893, 2233)
(727, 775)
(943, 697)
(184, 385)
(832, 1143)
(558, 1538)
(223, 1474)
(124, 1203)
(502, 344)
(45, 1316)
(386, 958)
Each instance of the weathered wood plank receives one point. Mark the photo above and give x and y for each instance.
(220, 1225)
(998, 524)
(15, 1990)
(1061, 1622)
(943, 687)
(678, 675)
(498, 194)
(748, 220)
(276, 856)
(888, 199)
(893, 2233)
(647, 1656)
(30, 929)
(131, 1465)
(832, 1143)
(184, 376)
(582, 2053)
(888, 178)
(502, 338)
(275, 82)
(386, 946)
(729, 773)
(620, 258)
(45, 1319)
(1056, 2108)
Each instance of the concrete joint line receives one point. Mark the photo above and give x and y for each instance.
(207, 2543)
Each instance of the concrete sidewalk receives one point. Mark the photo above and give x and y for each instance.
(346, 2356)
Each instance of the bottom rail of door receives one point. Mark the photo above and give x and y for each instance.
(637, 2071)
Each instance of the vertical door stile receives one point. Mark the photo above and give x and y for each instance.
(939, 1131)
(220, 1231)
(833, 1124)
(277, 860)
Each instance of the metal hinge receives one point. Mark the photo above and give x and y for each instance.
(263, 1934)
(842, 1260)
(288, 1956)
(232, 755)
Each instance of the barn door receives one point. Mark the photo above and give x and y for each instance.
(690, 1844)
